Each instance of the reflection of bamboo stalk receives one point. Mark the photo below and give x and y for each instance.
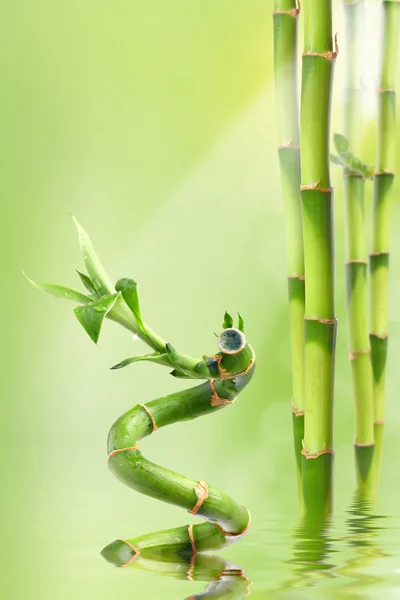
(285, 69)
(226, 579)
(317, 212)
(356, 260)
(383, 189)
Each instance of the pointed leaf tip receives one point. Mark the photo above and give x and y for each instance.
(156, 357)
(128, 289)
(228, 321)
(59, 291)
(240, 323)
(91, 316)
(341, 143)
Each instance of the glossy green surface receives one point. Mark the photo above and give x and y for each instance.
(179, 187)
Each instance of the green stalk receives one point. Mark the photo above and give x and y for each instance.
(356, 252)
(383, 189)
(317, 213)
(226, 374)
(285, 63)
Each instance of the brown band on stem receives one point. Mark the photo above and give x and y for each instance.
(381, 336)
(217, 400)
(353, 354)
(298, 412)
(322, 321)
(295, 276)
(150, 415)
(330, 55)
(134, 557)
(309, 455)
(356, 261)
(288, 144)
(191, 538)
(293, 12)
(227, 534)
(201, 491)
(385, 91)
(189, 572)
(114, 452)
(383, 253)
(379, 422)
(314, 187)
(225, 375)
(366, 445)
(384, 172)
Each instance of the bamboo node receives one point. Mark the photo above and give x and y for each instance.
(201, 491)
(322, 321)
(356, 261)
(385, 91)
(311, 455)
(225, 375)
(288, 144)
(135, 556)
(381, 336)
(114, 452)
(379, 422)
(330, 55)
(228, 534)
(191, 538)
(384, 172)
(293, 12)
(363, 445)
(217, 400)
(298, 412)
(353, 354)
(384, 253)
(296, 276)
(150, 415)
(314, 187)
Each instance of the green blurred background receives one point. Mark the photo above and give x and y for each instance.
(153, 123)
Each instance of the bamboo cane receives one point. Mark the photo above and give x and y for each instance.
(383, 190)
(285, 67)
(356, 252)
(317, 213)
(226, 374)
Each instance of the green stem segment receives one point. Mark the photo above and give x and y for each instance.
(226, 520)
(285, 63)
(356, 252)
(383, 190)
(317, 213)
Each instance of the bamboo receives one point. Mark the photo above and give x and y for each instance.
(317, 213)
(383, 191)
(285, 67)
(226, 374)
(356, 252)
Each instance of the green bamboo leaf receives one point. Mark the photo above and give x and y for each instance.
(95, 269)
(59, 291)
(240, 323)
(88, 283)
(341, 143)
(336, 160)
(156, 357)
(228, 321)
(179, 375)
(91, 316)
(128, 289)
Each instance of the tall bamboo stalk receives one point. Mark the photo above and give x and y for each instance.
(317, 213)
(383, 189)
(356, 252)
(287, 110)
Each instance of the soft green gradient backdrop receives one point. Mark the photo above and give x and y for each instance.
(153, 122)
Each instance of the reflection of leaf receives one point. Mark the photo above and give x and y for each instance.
(128, 289)
(228, 321)
(59, 291)
(156, 357)
(87, 282)
(91, 316)
(240, 323)
(341, 143)
(95, 269)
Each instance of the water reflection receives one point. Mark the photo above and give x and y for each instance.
(226, 579)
